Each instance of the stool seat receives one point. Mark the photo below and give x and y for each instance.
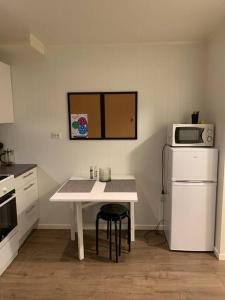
(113, 211)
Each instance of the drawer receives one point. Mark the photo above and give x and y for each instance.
(25, 178)
(27, 219)
(8, 252)
(26, 196)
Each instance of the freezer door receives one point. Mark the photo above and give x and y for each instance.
(190, 164)
(192, 216)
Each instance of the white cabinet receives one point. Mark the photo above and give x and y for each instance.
(8, 253)
(6, 103)
(26, 177)
(26, 202)
(26, 221)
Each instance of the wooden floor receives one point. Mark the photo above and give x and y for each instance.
(46, 269)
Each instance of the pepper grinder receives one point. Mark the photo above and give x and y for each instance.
(91, 173)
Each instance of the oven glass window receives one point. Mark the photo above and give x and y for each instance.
(188, 135)
(8, 218)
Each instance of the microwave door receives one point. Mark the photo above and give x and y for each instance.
(189, 135)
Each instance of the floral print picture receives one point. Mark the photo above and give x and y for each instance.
(79, 125)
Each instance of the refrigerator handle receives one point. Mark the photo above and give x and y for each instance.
(197, 183)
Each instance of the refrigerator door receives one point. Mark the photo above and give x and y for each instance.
(190, 215)
(191, 164)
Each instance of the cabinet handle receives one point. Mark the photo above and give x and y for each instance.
(28, 187)
(25, 176)
(30, 209)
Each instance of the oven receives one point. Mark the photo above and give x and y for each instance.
(8, 214)
(9, 243)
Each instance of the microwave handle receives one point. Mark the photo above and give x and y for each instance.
(203, 135)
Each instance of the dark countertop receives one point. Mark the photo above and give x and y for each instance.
(16, 169)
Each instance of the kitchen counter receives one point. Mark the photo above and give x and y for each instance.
(16, 169)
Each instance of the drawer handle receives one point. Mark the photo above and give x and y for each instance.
(28, 187)
(25, 176)
(30, 209)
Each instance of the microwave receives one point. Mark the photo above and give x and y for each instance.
(190, 135)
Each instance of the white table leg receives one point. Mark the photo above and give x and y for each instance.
(72, 229)
(132, 221)
(80, 230)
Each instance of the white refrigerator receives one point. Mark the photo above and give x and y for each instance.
(190, 177)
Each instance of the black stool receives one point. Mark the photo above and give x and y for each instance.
(113, 213)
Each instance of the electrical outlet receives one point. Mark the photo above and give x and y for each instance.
(56, 135)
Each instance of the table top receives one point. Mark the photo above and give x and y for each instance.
(77, 189)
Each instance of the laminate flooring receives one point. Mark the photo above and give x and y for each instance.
(47, 268)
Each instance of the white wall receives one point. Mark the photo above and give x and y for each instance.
(170, 81)
(215, 107)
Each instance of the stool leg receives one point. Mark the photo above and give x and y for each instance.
(116, 246)
(120, 225)
(107, 230)
(97, 227)
(129, 233)
(110, 239)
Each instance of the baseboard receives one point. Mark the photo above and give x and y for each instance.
(149, 227)
(220, 256)
(26, 235)
(53, 226)
(90, 226)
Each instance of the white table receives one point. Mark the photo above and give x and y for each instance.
(80, 197)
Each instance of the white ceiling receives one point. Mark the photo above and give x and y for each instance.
(109, 21)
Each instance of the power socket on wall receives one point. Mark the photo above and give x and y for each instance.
(56, 135)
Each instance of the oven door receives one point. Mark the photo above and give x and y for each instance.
(189, 136)
(8, 214)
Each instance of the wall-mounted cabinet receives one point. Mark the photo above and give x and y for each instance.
(103, 115)
(6, 103)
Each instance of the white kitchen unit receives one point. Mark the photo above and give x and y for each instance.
(190, 198)
(27, 203)
(9, 243)
(6, 103)
(8, 251)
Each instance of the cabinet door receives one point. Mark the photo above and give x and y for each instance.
(27, 219)
(25, 178)
(6, 111)
(26, 196)
(87, 105)
(120, 115)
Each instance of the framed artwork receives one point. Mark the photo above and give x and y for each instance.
(79, 125)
